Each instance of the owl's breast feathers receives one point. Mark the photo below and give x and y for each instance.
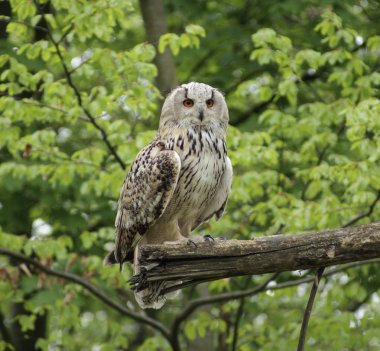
(203, 163)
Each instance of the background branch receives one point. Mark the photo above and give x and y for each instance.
(77, 93)
(101, 295)
(91, 118)
(320, 271)
(309, 307)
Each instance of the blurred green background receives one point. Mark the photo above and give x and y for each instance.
(81, 85)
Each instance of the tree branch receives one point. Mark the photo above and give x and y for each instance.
(224, 297)
(91, 118)
(239, 314)
(77, 94)
(271, 254)
(257, 109)
(364, 214)
(309, 307)
(306, 280)
(101, 295)
(240, 311)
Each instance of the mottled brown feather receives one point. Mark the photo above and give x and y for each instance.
(144, 196)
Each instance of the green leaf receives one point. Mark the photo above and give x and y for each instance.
(3, 60)
(289, 89)
(190, 331)
(169, 39)
(263, 56)
(195, 30)
(313, 58)
(88, 239)
(26, 322)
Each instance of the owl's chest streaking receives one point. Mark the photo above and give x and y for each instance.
(202, 156)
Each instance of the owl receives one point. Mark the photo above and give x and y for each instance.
(177, 182)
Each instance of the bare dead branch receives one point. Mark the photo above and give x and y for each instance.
(211, 261)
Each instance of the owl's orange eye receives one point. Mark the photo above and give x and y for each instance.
(188, 103)
(210, 103)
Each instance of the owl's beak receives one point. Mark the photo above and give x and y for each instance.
(200, 116)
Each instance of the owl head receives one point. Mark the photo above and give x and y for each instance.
(194, 105)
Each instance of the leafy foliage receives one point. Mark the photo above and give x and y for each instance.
(78, 101)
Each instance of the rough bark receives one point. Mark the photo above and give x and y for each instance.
(227, 258)
(155, 25)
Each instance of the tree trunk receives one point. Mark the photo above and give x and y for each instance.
(26, 341)
(228, 258)
(155, 25)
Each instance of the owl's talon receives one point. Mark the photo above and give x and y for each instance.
(208, 238)
(191, 242)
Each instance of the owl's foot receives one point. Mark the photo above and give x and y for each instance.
(208, 238)
(191, 242)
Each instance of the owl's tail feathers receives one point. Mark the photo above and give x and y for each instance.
(150, 297)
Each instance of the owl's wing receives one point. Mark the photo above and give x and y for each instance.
(218, 203)
(144, 196)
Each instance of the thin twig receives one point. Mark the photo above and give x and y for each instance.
(239, 314)
(365, 214)
(65, 34)
(292, 283)
(255, 109)
(309, 307)
(83, 62)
